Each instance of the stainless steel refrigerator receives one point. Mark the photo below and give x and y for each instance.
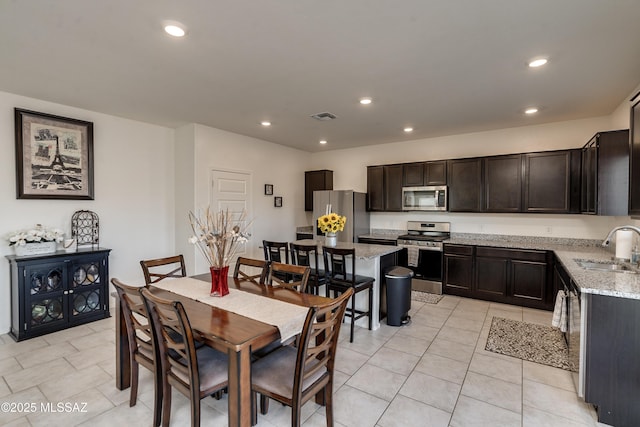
(346, 203)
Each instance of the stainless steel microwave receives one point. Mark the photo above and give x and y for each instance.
(433, 198)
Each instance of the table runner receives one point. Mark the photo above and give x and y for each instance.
(288, 318)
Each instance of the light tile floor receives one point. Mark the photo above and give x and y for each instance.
(433, 372)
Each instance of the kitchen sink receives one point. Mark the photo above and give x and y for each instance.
(607, 266)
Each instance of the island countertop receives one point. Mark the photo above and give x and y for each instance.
(364, 251)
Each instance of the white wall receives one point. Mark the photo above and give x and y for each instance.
(349, 168)
(134, 176)
(267, 163)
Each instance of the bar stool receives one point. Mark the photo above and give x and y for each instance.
(304, 255)
(338, 281)
(277, 252)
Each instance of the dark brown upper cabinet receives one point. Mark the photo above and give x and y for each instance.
(424, 173)
(393, 188)
(413, 174)
(375, 188)
(503, 183)
(313, 181)
(605, 174)
(435, 173)
(465, 185)
(384, 188)
(634, 164)
(552, 182)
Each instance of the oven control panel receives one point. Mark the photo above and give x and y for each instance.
(424, 244)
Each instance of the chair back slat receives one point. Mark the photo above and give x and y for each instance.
(157, 269)
(246, 270)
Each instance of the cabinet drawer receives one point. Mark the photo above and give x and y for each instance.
(458, 249)
(525, 255)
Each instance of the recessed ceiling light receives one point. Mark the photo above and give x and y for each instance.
(531, 110)
(265, 123)
(408, 129)
(174, 28)
(538, 62)
(323, 141)
(365, 101)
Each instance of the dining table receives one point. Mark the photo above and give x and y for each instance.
(224, 330)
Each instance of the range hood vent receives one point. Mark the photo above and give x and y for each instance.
(324, 116)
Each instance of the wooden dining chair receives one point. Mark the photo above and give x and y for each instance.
(157, 269)
(308, 255)
(246, 269)
(340, 278)
(140, 337)
(294, 375)
(195, 373)
(297, 275)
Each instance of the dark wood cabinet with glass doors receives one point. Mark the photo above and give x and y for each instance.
(58, 291)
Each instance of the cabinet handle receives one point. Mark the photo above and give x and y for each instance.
(70, 291)
(65, 292)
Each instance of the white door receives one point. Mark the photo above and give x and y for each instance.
(232, 191)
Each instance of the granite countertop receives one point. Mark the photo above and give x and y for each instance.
(615, 284)
(363, 251)
(305, 229)
(383, 234)
(390, 237)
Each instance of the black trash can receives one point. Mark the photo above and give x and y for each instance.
(398, 295)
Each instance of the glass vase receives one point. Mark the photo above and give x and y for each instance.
(219, 284)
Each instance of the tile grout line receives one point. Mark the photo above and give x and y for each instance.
(414, 370)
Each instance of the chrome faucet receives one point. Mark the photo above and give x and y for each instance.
(607, 240)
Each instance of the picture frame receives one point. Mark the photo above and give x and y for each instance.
(54, 157)
(277, 201)
(268, 189)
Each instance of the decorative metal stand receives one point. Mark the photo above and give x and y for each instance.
(85, 228)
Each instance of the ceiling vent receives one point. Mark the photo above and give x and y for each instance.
(324, 116)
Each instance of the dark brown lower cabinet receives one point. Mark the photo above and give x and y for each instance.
(512, 276)
(497, 270)
(458, 269)
(612, 371)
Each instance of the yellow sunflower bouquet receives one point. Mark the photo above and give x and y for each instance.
(331, 223)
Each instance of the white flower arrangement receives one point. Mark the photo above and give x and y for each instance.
(38, 234)
(218, 235)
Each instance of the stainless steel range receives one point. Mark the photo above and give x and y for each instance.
(423, 253)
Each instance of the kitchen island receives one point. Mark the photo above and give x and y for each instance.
(373, 261)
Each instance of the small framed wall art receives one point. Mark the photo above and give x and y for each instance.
(268, 189)
(277, 201)
(54, 157)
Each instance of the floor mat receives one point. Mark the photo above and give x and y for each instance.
(425, 297)
(528, 341)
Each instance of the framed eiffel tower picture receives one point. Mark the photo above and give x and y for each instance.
(54, 157)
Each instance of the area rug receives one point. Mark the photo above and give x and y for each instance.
(425, 297)
(527, 341)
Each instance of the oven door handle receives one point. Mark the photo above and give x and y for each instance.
(421, 248)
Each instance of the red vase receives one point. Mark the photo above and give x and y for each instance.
(219, 285)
